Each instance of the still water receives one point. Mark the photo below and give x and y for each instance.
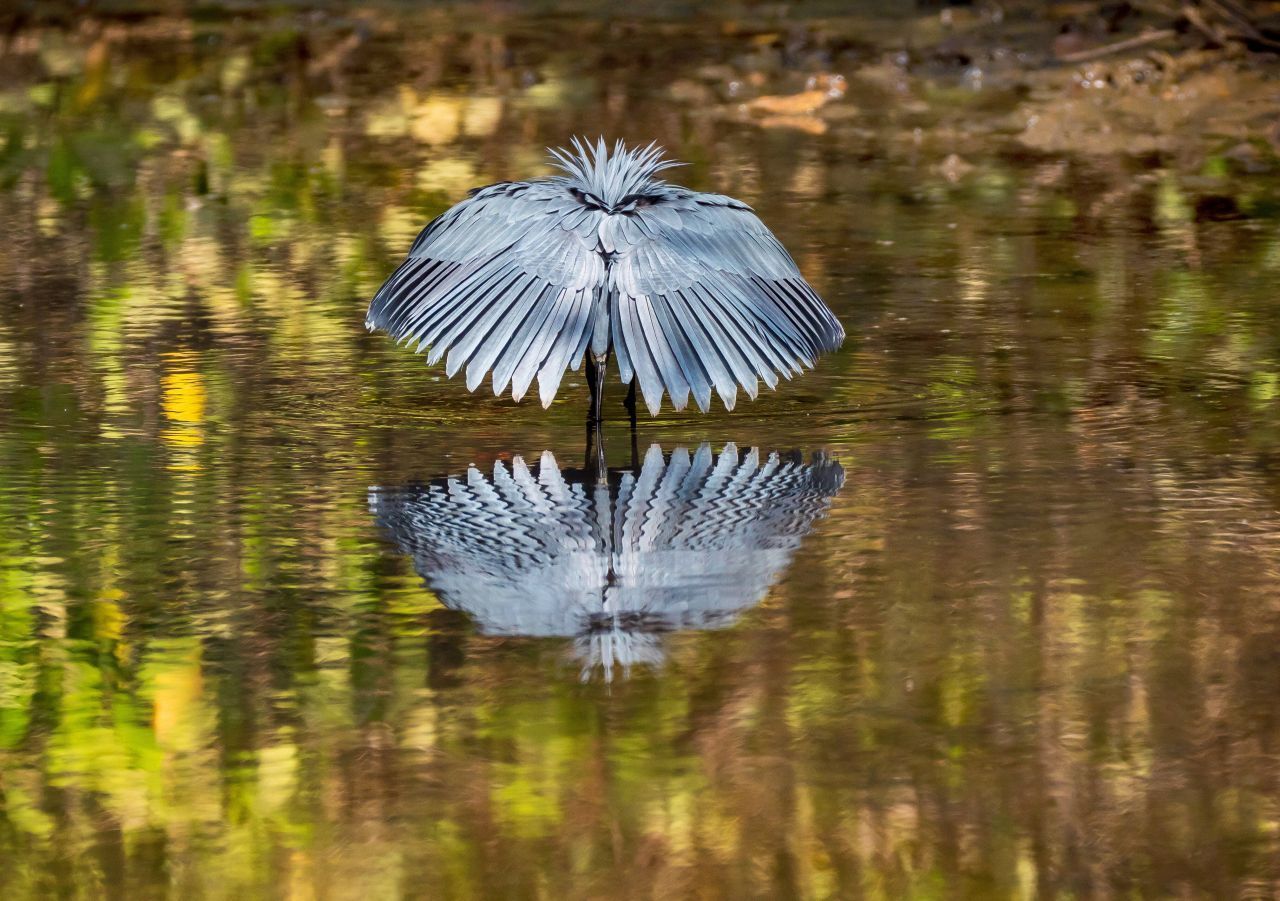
(985, 606)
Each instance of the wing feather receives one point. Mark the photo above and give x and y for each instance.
(528, 367)
(414, 321)
(566, 342)
(417, 324)
(466, 304)
(502, 282)
(522, 339)
(707, 296)
(695, 373)
(729, 340)
(427, 278)
(625, 370)
(739, 350)
(789, 347)
(656, 337)
(706, 342)
(646, 368)
(481, 354)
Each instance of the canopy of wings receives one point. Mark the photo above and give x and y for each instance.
(699, 295)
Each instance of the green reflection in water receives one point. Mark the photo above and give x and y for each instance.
(1030, 651)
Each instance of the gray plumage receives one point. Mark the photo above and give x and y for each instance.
(690, 291)
(685, 542)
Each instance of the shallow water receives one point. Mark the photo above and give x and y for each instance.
(1025, 645)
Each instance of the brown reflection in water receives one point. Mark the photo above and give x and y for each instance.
(1031, 650)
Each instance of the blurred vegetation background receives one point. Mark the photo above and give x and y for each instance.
(1030, 653)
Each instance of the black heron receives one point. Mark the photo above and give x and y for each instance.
(690, 291)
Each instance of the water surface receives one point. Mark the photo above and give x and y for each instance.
(1026, 647)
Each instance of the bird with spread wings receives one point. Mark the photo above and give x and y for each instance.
(689, 291)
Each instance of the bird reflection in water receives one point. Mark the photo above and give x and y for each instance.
(613, 558)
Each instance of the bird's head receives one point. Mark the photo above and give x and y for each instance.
(610, 180)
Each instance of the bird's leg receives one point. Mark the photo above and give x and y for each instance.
(595, 381)
(630, 402)
(594, 461)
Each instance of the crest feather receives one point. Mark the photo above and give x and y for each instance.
(611, 176)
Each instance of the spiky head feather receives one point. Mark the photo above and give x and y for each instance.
(611, 176)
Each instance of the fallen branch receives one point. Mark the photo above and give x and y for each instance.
(1220, 22)
(1142, 40)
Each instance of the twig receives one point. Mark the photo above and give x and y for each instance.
(1246, 31)
(1230, 10)
(1192, 15)
(1142, 40)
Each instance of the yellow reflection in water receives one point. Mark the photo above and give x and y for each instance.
(183, 401)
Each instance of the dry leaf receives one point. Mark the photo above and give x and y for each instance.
(788, 104)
